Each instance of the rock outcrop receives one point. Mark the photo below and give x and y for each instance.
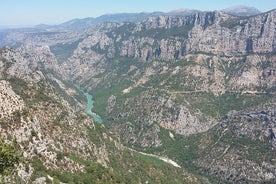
(199, 88)
(245, 141)
(221, 39)
(57, 143)
(10, 102)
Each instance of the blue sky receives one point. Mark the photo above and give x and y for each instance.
(33, 12)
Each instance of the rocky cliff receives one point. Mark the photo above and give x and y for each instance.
(171, 75)
(222, 40)
(243, 146)
(172, 37)
(10, 102)
(51, 140)
(198, 88)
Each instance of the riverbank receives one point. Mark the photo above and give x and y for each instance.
(90, 105)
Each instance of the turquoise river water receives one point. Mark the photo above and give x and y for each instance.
(89, 106)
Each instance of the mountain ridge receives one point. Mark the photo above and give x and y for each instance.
(239, 10)
(183, 74)
(242, 10)
(50, 139)
(197, 89)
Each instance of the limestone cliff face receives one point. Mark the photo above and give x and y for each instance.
(27, 62)
(235, 36)
(179, 73)
(53, 139)
(172, 37)
(215, 37)
(215, 53)
(35, 116)
(185, 73)
(40, 57)
(10, 102)
(212, 32)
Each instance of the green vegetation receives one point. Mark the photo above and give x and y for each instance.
(258, 151)
(128, 167)
(8, 158)
(39, 169)
(218, 106)
(68, 84)
(42, 94)
(232, 69)
(187, 145)
(115, 81)
(164, 33)
(172, 82)
(184, 150)
(144, 168)
(64, 51)
(251, 148)
(234, 22)
(33, 94)
(60, 117)
(125, 29)
(20, 87)
(7, 64)
(93, 173)
(101, 95)
(95, 135)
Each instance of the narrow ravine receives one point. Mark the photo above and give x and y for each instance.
(90, 105)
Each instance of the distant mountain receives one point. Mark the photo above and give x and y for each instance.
(136, 17)
(4, 27)
(120, 17)
(126, 17)
(242, 11)
(183, 12)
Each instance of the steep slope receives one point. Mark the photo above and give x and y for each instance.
(198, 88)
(167, 81)
(239, 149)
(221, 40)
(179, 55)
(53, 140)
(242, 148)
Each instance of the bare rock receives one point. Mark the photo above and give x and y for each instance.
(10, 102)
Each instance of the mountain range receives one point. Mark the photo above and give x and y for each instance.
(242, 11)
(184, 97)
(135, 17)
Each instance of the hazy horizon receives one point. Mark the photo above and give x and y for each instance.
(18, 13)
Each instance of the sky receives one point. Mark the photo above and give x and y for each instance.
(34, 12)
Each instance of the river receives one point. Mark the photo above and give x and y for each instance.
(90, 105)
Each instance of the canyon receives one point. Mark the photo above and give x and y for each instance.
(195, 89)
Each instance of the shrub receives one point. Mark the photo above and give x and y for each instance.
(8, 158)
